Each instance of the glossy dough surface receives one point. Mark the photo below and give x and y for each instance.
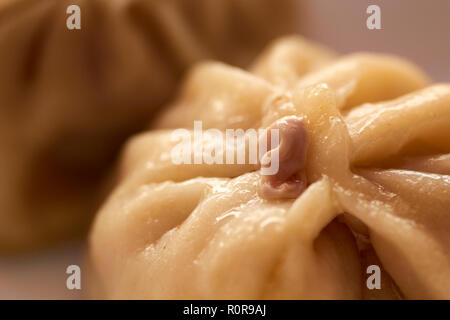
(378, 175)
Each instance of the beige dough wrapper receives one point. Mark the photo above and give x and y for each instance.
(378, 172)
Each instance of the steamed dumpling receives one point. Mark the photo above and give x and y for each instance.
(69, 98)
(378, 178)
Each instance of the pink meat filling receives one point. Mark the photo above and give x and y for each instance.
(290, 180)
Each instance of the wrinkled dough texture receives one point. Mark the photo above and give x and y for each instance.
(70, 98)
(378, 188)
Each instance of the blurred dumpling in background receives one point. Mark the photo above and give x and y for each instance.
(69, 98)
